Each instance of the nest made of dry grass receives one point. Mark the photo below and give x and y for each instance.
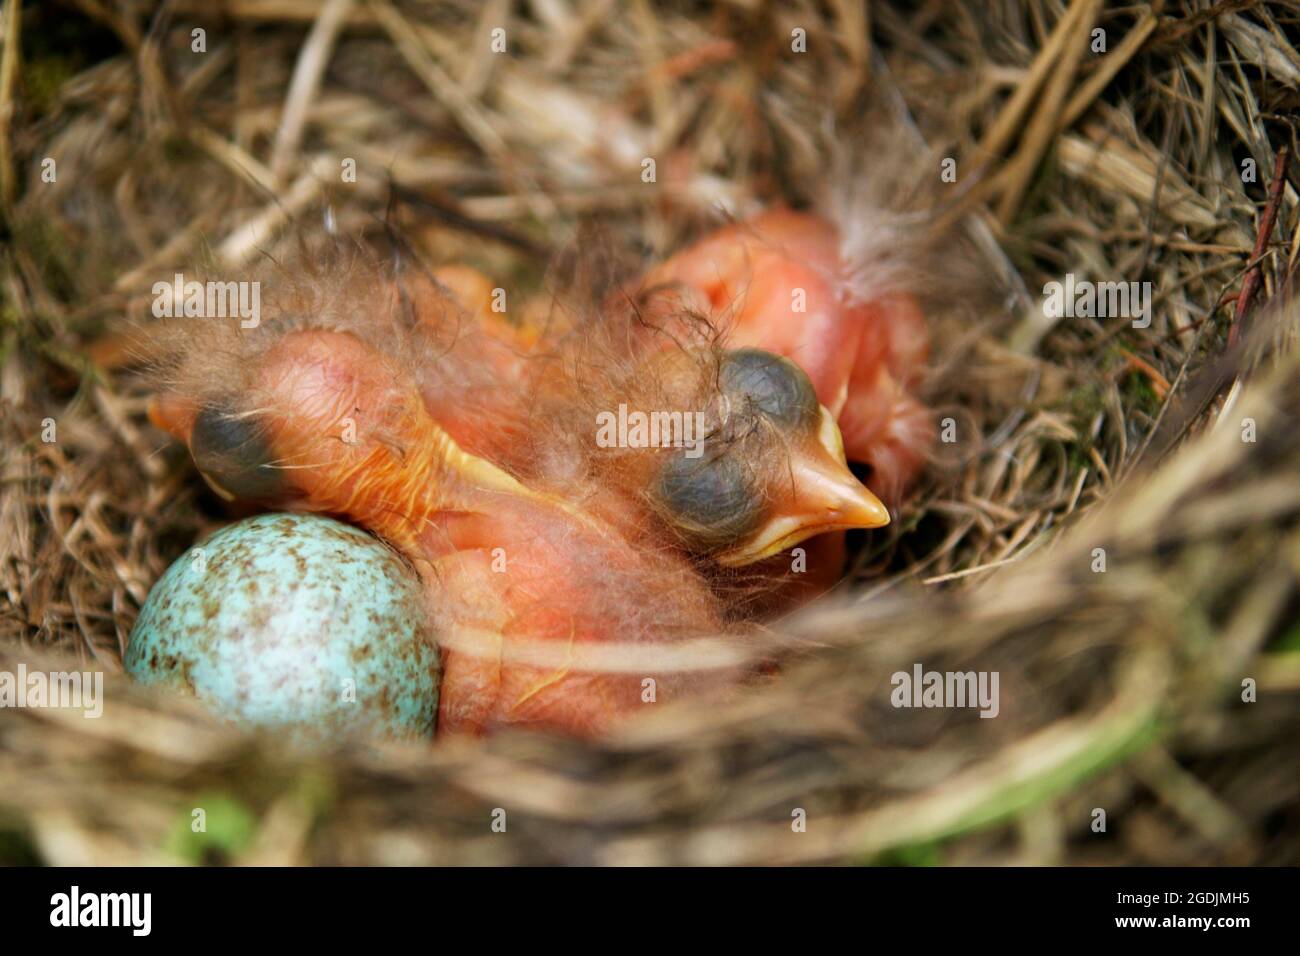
(1121, 690)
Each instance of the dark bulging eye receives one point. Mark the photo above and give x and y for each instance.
(710, 499)
(772, 385)
(232, 453)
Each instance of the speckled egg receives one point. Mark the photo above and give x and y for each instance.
(294, 621)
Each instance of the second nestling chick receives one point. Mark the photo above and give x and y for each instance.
(781, 281)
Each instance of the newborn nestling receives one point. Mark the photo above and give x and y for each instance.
(782, 283)
(554, 565)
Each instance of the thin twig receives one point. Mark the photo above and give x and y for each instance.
(1262, 238)
(312, 60)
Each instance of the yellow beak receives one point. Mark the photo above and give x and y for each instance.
(824, 496)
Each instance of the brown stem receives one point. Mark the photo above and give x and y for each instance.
(1266, 223)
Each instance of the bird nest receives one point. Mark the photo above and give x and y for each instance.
(1112, 528)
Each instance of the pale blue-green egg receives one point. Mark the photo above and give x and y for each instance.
(297, 622)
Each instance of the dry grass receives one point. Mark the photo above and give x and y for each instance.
(1120, 690)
